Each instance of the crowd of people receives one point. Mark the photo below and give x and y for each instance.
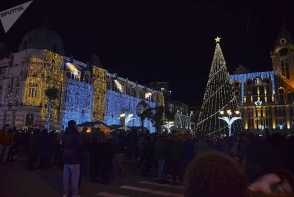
(239, 165)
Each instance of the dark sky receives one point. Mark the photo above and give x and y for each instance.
(163, 40)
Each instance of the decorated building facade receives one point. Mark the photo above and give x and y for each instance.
(266, 99)
(177, 113)
(87, 91)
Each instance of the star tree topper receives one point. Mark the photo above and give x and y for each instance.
(217, 39)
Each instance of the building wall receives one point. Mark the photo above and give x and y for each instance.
(118, 103)
(266, 99)
(27, 74)
(78, 102)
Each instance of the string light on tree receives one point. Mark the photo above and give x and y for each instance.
(218, 95)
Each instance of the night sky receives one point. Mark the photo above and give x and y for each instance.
(162, 41)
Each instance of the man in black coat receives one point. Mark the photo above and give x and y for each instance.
(175, 155)
(71, 143)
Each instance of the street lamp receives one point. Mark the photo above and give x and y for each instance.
(122, 117)
(140, 111)
(229, 119)
(125, 118)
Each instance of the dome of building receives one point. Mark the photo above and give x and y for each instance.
(42, 38)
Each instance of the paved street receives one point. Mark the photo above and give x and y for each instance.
(16, 181)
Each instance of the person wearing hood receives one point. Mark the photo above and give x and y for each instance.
(71, 145)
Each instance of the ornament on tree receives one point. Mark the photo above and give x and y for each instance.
(219, 102)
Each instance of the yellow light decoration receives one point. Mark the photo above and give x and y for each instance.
(147, 95)
(72, 68)
(44, 73)
(160, 99)
(118, 85)
(99, 94)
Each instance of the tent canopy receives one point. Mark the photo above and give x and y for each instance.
(139, 128)
(37, 126)
(120, 127)
(93, 124)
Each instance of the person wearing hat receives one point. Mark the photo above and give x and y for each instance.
(6, 141)
(71, 145)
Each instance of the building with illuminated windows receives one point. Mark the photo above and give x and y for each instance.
(266, 99)
(176, 113)
(87, 91)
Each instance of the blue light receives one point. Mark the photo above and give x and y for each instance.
(78, 102)
(117, 103)
(242, 78)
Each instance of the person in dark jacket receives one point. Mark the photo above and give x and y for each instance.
(86, 139)
(176, 155)
(150, 158)
(44, 150)
(105, 156)
(200, 146)
(93, 164)
(118, 147)
(34, 148)
(160, 155)
(71, 145)
(189, 150)
(145, 146)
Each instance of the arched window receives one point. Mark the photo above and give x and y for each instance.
(108, 85)
(248, 82)
(236, 84)
(281, 90)
(257, 80)
(87, 79)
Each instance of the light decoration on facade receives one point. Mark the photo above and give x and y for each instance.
(258, 103)
(242, 78)
(229, 119)
(72, 68)
(99, 94)
(160, 98)
(147, 95)
(78, 102)
(218, 95)
(118, 85)
(44, 72)
(292, 124)
(129, 118)
(169, 124)
(126, 118)
(118, 102)
(280, 126)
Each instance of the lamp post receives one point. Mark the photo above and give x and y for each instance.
(122, 119)
(140, 111)
(229, 119)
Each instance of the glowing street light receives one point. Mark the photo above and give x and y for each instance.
(229, 119)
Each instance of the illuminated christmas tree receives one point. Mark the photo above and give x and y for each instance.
(219, 112)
